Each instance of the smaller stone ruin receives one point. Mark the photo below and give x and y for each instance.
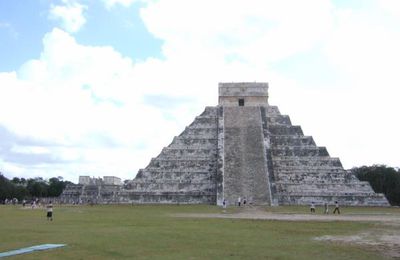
(92, 190)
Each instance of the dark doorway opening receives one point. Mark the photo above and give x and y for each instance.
(241, 102)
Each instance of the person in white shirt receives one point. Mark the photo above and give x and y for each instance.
(312, 207)
(49, 211)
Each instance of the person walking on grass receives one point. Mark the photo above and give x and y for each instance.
(312, 207)
(49, 211)
(326, 208)
(239, 201)
(336, 208)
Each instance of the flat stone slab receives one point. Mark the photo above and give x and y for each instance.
(31, 249)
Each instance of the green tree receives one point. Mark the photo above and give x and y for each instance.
(5, 188)
(382, 179)
(37, 187)
(56, 186)
(16, 180)
(21, 188)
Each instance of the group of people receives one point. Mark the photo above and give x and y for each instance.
(240, 202)
(326, 208)
(13, 201)
(34, 203)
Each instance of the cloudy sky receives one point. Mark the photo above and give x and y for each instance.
(99, 87)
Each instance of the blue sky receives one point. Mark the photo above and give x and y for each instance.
(23, 24)
(99, 87)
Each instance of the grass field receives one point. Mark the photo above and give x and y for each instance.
(152, 232)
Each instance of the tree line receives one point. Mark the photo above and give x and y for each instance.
(383, 179)
(21, 188)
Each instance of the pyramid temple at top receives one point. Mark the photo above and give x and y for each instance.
(241, 148)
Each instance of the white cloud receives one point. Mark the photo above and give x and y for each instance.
(70, 14)
(30, 149)
(392, 7)
(251, 31)
(126, 3)
(86, 104)
(89, 103)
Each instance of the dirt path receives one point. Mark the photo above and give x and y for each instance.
(384, 239)
(259, 214)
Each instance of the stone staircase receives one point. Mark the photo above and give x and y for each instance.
(245, 164)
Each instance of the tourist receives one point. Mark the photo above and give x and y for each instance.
(312, 207)
(326, 208)
(224, 204)
(239, 201)
(336, 208)
(50, 211)
(244, 201)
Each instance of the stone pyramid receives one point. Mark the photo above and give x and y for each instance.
(241, 148)
(245, 148)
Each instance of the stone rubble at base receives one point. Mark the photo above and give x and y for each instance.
(241, 148)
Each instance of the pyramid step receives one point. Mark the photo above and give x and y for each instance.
(273, 111)
(204, 121)
(300, 151)
(200, 132)
(203, 126)
(170, 197)
(196, 138)
(210, 147)
(313, 169)
(279, 120)
(177, 177)
(323, 187)
(331, 192)
(173, 186)
(177, 171)
(305, 161)
(164, 158)
(195, 142)
(285, 130)
(174, 181)
(205, 135)
(282, 180)
(182, 165)
(279, 141)
(210, 111)
(312, 173)
(188, 152)
(312, 178)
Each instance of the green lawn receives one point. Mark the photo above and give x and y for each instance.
(149, 232)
